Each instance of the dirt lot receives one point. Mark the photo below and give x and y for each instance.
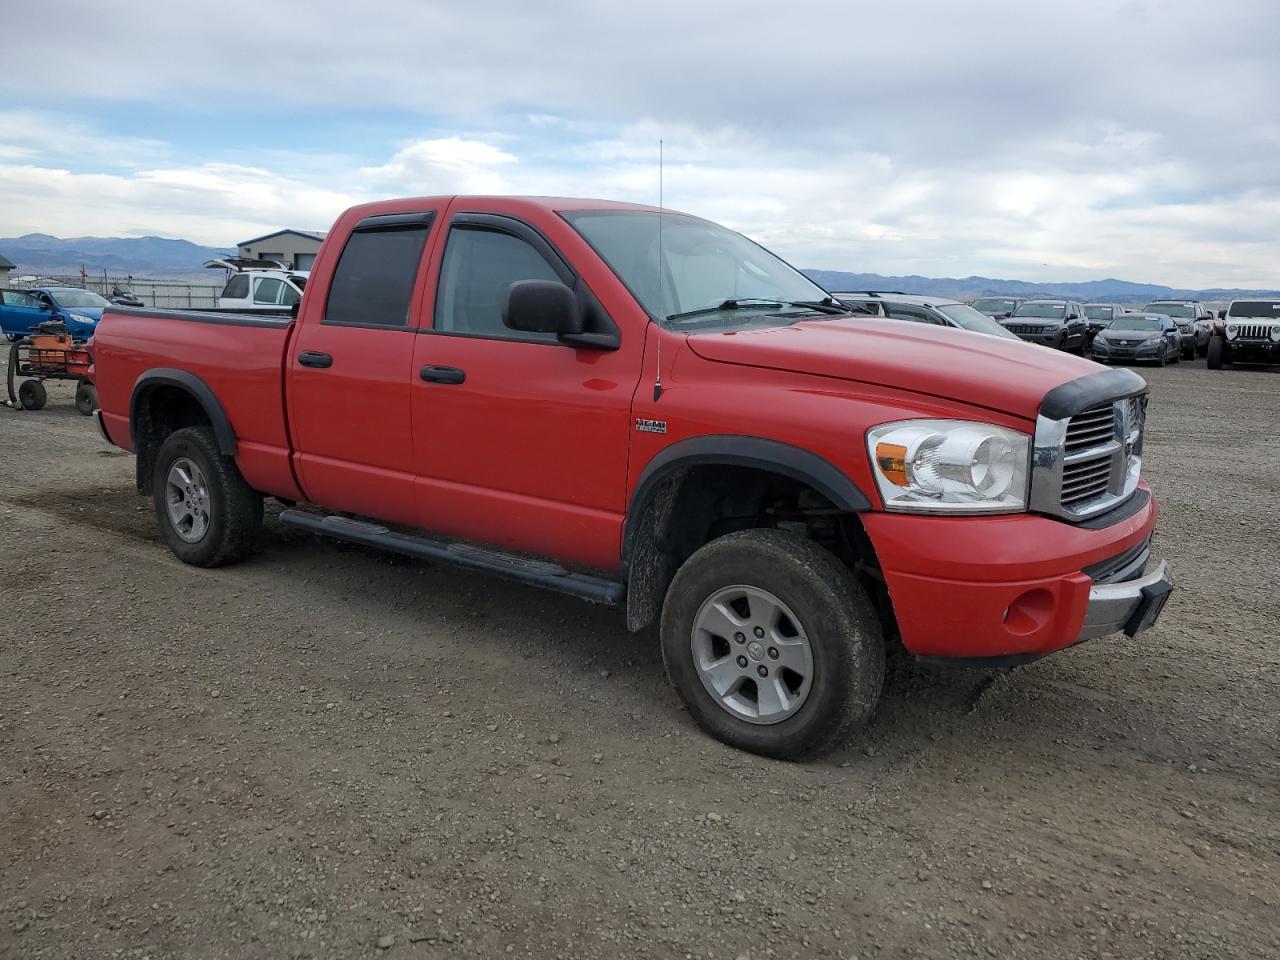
(331, 753)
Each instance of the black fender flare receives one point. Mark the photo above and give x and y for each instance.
(198, 389)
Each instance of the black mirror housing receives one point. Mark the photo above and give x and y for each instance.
(542, 306)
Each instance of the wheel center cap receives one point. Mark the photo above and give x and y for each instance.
(755, 650)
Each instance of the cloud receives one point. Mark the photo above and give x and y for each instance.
(1133, 138)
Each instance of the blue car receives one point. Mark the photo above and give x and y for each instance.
(79, 309)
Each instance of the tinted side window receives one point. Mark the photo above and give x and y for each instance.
(479, 267)
(373, 282)
(266, 290)
(289, 296)
(237, 287)
(905, 313)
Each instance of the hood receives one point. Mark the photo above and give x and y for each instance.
(1005, 375)
(1136, 336)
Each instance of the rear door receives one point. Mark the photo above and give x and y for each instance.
(349, 371)
(521, 441)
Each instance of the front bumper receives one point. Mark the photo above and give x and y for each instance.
(1108, 350)
(1013, 588)
(1260, 351)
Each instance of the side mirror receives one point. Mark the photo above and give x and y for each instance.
(542, 306)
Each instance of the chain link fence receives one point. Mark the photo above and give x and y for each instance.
(153, 293)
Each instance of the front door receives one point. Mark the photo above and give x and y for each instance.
(520, 440)
(349, 372)
(20, 312)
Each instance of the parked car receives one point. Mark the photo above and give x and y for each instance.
(1098, 316)
(1194, 320)
(258, 286)
(997, 308)
(1051, 323)
(918, 309)
(23, 310)
(1249, 332)
(1139, 337)
(642, 408)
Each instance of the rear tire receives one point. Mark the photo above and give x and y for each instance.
(32, 395)
(209, 516)
(86, 398)
(1215, 353)
(810, 614)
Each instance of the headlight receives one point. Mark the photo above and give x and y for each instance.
(1232, 330)
(1275, 333)
(1052, 327)
(1152, 341)
(950, 466)
(81, 318)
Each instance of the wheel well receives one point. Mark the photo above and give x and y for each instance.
(694, 505)
(158, 411)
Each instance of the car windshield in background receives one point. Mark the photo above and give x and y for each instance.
(709, 275)
(993, 304)
(1044, 311)
(1255, 308)
(1173, 309)
(1135, 322)
(78, 298)
(971, 319)
(1098, 313)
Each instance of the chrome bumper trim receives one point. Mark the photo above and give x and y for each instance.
(1131, 605)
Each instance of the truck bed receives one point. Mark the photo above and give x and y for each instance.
(238, 356)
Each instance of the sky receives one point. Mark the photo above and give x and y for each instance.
(1065, 141)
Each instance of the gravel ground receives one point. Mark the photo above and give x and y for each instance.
(327, 752)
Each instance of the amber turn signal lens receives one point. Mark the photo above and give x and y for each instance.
(891, 458)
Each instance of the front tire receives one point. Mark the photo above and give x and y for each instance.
(772, 644)
(209, 516)
(1216, 354)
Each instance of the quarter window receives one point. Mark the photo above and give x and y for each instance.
(373, 283)
(915, 316)
(237, 287)
(479, 268)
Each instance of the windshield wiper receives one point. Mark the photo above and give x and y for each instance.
(826, 305)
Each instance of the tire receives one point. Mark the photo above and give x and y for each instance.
(231, 510)
(1215, 353)
(86, 398)
(824, 616)
(32, 395)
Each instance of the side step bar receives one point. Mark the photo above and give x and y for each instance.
(540, 572)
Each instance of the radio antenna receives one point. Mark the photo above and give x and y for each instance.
(662, 296)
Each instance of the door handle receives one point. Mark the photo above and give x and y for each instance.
(433, 374)
(314, 358)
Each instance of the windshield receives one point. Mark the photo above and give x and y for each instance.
(1135, 322)
(1172, 309)
(705, 267)
(1098, 313)
(1255, 308)
(78, 298)
(1042, 310)
(994, 305)
(971, 319)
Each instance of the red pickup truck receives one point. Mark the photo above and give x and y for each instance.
(642, 408)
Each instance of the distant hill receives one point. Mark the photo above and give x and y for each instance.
(119, 256)
(964, 288)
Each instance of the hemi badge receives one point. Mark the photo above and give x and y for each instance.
(651, 426)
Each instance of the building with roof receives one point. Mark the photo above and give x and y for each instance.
(5, 266)
(296, 249)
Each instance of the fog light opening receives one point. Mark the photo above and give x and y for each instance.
(1030, 612)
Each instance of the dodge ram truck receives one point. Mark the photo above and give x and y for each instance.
(642, 408)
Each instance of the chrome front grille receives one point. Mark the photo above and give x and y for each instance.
(1088, 463)
(1253, 331)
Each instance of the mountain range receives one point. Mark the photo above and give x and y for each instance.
(119, 256)
(144, 257)
(967, 288)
